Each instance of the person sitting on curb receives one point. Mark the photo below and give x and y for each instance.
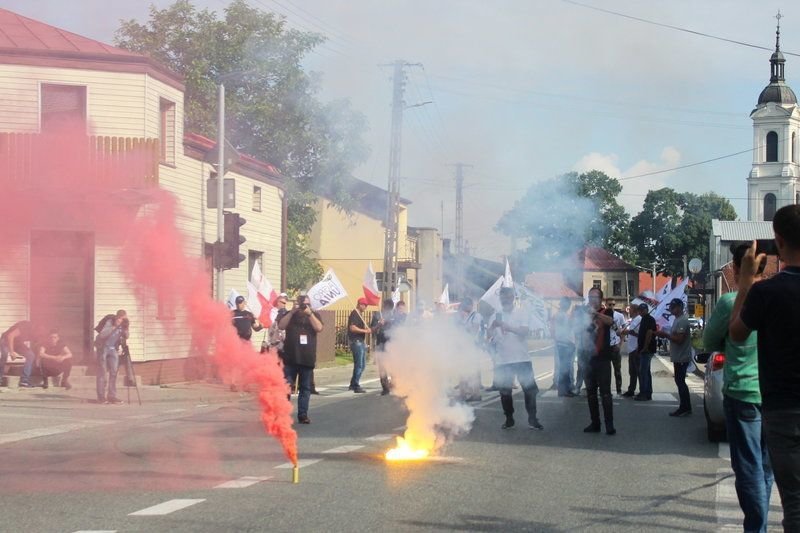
(55, 359)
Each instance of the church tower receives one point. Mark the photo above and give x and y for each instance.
(775, 178)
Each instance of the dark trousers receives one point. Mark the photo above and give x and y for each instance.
(566, 356)
(292, 372)
(749, 460)
(683, 389)
(598, 376)
(783, 442)
(616, 360)
(505, 374)
(54, 368)
(633, 370)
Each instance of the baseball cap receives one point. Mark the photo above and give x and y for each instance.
(676, 302)
(363, 301)
(643, 307)
(239, 299)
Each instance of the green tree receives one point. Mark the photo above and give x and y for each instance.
(671, 225)
(559, 216)
(272, 107)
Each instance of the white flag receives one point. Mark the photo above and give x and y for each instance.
(327, 291)
(665, 290)
(508, 281)
(231, 301)
(492, 296)
(444, 299)
(396, 296)
(662, 315)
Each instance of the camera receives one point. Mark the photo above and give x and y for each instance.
(766, 246)
(303, 306)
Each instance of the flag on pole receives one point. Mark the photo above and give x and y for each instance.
(370, 286)
(665, 290)
(327, 291)
(662, 315)
(508, 281)
(396, 296)
(444, 299)
(261, 296)
(492, 296)
(231, 301)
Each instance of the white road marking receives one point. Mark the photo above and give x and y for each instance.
(302, 463)
(52, 430)
(350, 393)
(167, 507)
(242, 482)
(663, 397)
(724, 451)
(97, 531)
(345, 449)
(381, 437)
(729, 514)
(141, 417)
(179, 410)
(541, 349)
(399, 428)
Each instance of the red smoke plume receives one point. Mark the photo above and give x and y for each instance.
(67, 180)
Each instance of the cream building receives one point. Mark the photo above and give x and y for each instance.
(127, 102)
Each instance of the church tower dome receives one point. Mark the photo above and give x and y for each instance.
(777, 91)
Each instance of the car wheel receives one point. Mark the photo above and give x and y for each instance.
(715, 433)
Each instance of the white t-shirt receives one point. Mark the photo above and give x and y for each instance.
(511, 348)
(619, 323)
(633, 342)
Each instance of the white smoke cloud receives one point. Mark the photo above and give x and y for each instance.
(426, 360)
(634, 190)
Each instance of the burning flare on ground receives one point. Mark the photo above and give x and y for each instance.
(406, 450)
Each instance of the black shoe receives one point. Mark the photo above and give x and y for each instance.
(351, 387)
(385, 392)
(45, 383)
(628, 394)
(592, 428)
(535, 425)
(640, 398)
(681, 412)
(610, 429)
(509, 423)
(359, 390)
(315, 391)
(303, 420)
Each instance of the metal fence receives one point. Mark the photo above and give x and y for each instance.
(342, 315)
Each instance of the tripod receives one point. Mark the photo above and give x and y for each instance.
(130, 375)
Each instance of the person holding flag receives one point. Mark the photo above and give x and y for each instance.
(357, 331)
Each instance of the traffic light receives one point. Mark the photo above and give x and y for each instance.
(230, 256)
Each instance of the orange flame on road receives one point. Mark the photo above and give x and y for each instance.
(406, 452)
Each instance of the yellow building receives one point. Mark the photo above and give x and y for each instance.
(127, 102)
(348, 242)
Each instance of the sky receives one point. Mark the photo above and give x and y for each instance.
(526, 90)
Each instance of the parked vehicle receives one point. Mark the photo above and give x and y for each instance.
(695, 323)
(712, 394)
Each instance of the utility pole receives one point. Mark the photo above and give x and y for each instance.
(654, 276)
(393, 190)
(459, 237)
(220, 193)
(685, 268)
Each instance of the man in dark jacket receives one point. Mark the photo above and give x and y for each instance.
(302, 325)
(379, 324)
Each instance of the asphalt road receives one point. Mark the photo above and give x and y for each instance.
(200, 466)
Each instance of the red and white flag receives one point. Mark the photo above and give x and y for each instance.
(370, 286)
(260, 296)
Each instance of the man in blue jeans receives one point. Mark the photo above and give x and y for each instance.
(112, 331)
(16, 342)
(680, 353)
(647, 349)
(357, 335)
(302, 325)
(742, 404)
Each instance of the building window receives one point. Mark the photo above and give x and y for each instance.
(166, 132)
(772, 147)
(617, 287)
(63, 106)
(253, 259)
(379, 279)
(770, 205)
(256, 198)
(630, 288)
(596, 284)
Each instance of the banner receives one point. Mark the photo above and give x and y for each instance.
(662, 315)
(327, 291)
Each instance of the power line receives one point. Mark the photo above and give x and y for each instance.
(672, 27)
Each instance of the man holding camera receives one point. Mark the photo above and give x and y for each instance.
(598, 369)
(112, 332)
(302, 325)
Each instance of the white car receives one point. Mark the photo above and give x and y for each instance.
(712, 394)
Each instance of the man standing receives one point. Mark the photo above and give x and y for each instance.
(772, 308)
(55, 358)
(357, 334)
(646, 348)
(302, 325)
(244, 321)
(565, 348)
(379, 325)
(112, 331)
(680, 353)
(16, 342)
(616, 343)
(742, 405)
(510, 330)
(631, 334)
(598, 372)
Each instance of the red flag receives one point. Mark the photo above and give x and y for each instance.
(370, 286)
